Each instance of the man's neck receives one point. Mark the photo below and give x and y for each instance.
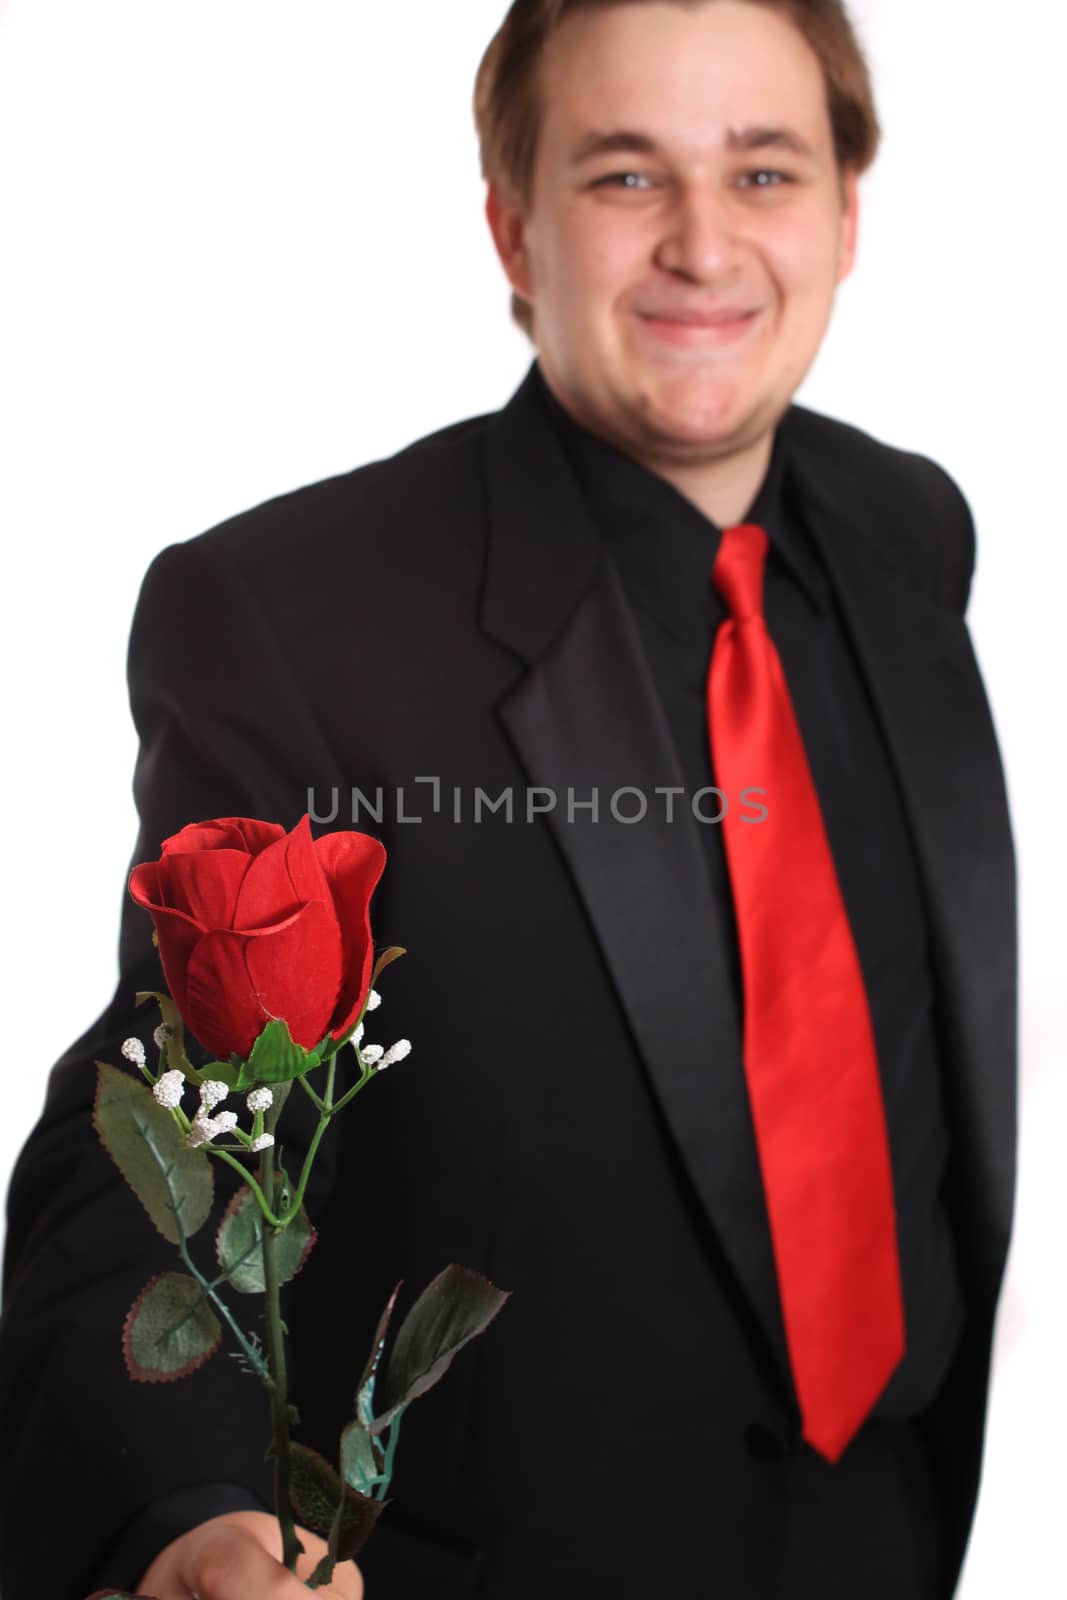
(725, 490)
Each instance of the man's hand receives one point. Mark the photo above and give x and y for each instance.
(239, 1557)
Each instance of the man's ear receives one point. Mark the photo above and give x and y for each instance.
(849, 226)
(507, 224)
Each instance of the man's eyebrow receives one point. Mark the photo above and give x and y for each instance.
(618, 141)
(768, 137)
(629, 141)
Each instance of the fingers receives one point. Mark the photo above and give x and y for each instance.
(238, 1557)
(346, 1583)
(221, 1561)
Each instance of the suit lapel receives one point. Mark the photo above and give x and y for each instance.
(586, 719)
(926, 688)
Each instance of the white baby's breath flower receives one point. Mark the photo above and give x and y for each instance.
(372, 1053)
(133, 1050)
(264, 1142)
(260, 1100)
(161, 1035)
(374, 1000)
(169, 1090)
(395, 1052)
(204, 1128)
(213, 1093)
(358, 1034)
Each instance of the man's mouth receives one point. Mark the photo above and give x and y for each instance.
(711, 328)
(721, 317)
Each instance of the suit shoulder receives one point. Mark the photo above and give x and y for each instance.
(434, 479)
(342, 553)
(917, 514)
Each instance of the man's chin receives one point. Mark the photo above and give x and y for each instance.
(690, 435)
(693, 411)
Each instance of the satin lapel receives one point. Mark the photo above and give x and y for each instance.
(584, 719)
(924, 681)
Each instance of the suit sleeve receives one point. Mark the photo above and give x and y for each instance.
(223, 731)
(952, 555)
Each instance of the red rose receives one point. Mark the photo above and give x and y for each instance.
(255, 923)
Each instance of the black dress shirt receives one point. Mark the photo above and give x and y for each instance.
(664, 548)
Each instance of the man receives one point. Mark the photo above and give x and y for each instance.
(734, 1121)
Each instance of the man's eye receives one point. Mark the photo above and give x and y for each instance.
(764, 178)
(622, 180)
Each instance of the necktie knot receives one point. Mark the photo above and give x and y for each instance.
(739, 567)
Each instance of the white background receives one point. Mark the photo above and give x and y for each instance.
(242, 248)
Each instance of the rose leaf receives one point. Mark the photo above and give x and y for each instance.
(365, 1389)
(457, 1306)
(361, 1459)
(170, 1330)
(173, 1183)
(323, 1502)
(239, 1244)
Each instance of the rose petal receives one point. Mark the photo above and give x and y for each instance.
(204, 883)
(255, 835)
(302, 860)
(284, 877)
(145, 886)
(244, 834)
(353, 863)
(178, 933)
(237, 982)
(305, 964)
(221, 1008)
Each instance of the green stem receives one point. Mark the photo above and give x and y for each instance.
(327, 1111)
(387, 1467)
(259, 1366)
(355, 1089)
(246, 1177)
(316, 1140)
(315, 1099)
(291, 1546)
(177, 1202)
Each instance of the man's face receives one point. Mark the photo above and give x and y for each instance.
(686, 229)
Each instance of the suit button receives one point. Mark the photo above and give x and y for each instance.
(763, 1444)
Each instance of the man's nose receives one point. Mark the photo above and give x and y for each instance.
(700, 239)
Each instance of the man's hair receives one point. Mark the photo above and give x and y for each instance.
(507, 100)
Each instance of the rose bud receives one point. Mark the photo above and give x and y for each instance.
(255, 923)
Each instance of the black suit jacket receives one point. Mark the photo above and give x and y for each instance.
(573, 1119)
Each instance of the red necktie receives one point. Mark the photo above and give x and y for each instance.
(809, 1051)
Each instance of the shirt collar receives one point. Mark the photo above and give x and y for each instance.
(626, 498)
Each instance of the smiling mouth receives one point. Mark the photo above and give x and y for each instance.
(690, 328)
(700, 319)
